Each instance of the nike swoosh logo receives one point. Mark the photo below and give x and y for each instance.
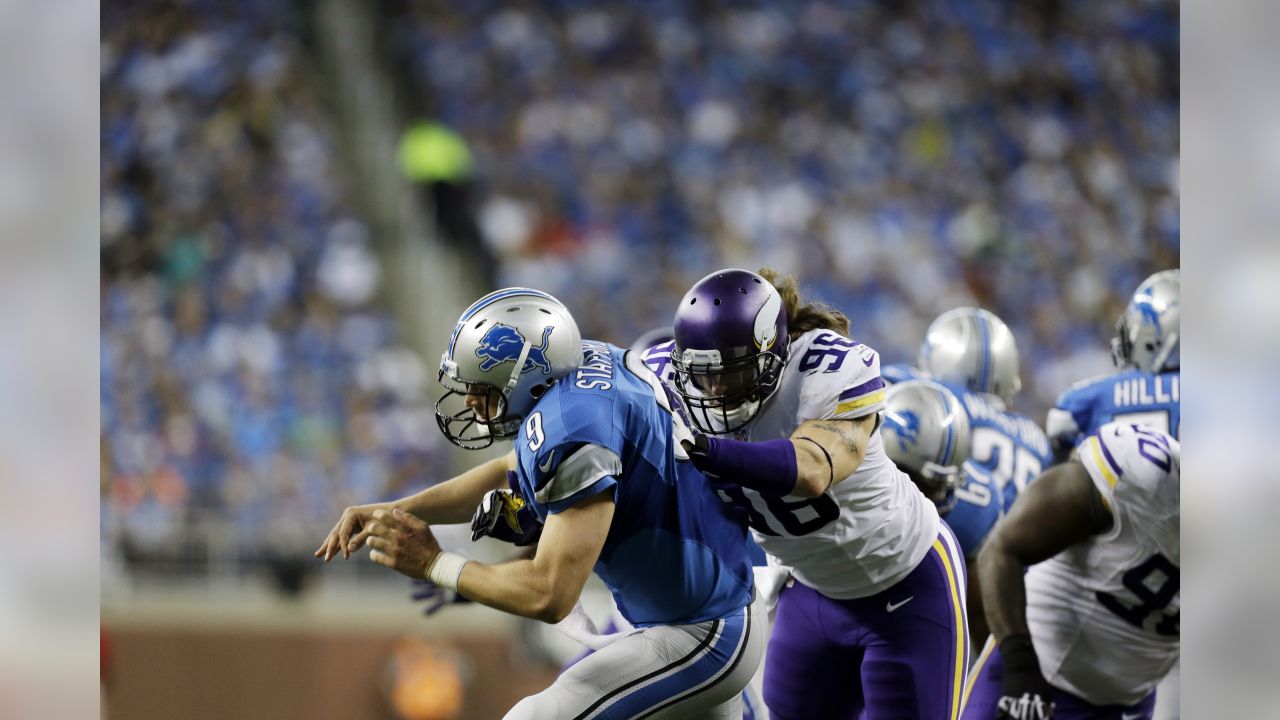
(890, 607)
(868, 361)
(545, 466)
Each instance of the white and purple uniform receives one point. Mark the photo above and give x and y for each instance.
(1104, 614)
(879, 603)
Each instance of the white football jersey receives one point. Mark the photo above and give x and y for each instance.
(1104, 614)
(868, 531)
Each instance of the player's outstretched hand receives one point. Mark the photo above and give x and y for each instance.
(435, 597)
(402, 542)
(349, 534)
(1025, 694)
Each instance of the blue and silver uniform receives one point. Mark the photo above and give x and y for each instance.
(1006, 452)
(1129, 396)
(674, 553)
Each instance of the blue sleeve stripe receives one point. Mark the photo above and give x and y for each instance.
(869, 386)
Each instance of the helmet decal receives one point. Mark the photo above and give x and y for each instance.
(503, 343)
(926, 432)
(906, 424)
(766, 325)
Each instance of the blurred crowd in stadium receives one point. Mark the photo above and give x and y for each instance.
(900, 158)
(248, 370)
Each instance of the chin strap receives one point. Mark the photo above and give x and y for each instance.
(512, 382)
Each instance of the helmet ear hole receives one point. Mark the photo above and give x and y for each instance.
(537, 391)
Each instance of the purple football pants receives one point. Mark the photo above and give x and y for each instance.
(900, 654)
(982, 691)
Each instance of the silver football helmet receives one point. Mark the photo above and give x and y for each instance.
(507, 349)
(974, 349)
(1147, 332)
(926, 434)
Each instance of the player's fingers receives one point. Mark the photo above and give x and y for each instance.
(324, 546)
(411, 521)
(379, 543)
(382, 558)
(330, 546)
(347, 525)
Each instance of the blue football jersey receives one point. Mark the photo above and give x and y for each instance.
(1008, 447)
(675, 554)
(1130, 396)
(901, 372)
(976, 511)
(1006, 452)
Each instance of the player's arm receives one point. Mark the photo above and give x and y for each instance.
(828, 451)
(819, 454)
(544, 587)
(452, 501)
(1060, 509)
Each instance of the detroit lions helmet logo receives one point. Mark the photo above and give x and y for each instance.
(503, 343)
(906, 426)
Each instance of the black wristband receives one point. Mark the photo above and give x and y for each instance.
(1019, 655)
(831, 467)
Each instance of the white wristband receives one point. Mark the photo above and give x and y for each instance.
(446, 569)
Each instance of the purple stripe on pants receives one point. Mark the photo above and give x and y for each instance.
(986, 692)
(890, 655)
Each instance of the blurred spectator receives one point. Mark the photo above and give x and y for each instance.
(902, 157)
(248, 373)
(437, 161)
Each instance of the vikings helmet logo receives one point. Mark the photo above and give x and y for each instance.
(503, 343)
(906, 426)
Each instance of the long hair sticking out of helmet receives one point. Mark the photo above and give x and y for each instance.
(803, 317)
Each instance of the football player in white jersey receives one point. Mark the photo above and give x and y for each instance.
(1094, 625)
(872, 622)
(1146, 348)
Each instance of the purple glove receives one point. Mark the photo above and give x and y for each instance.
(435, 597)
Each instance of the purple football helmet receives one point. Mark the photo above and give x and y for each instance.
(731, 346)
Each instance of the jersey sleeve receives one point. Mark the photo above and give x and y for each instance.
(1071, 415)
(568, 450)
(658, 358)
(564, 475)
(1137, 472)
(840, 379)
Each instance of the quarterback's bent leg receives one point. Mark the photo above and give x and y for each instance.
(693, 671)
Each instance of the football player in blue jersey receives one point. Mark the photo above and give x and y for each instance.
(973, 353)
(1145, 390)
(926, 434)
(598, 462)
